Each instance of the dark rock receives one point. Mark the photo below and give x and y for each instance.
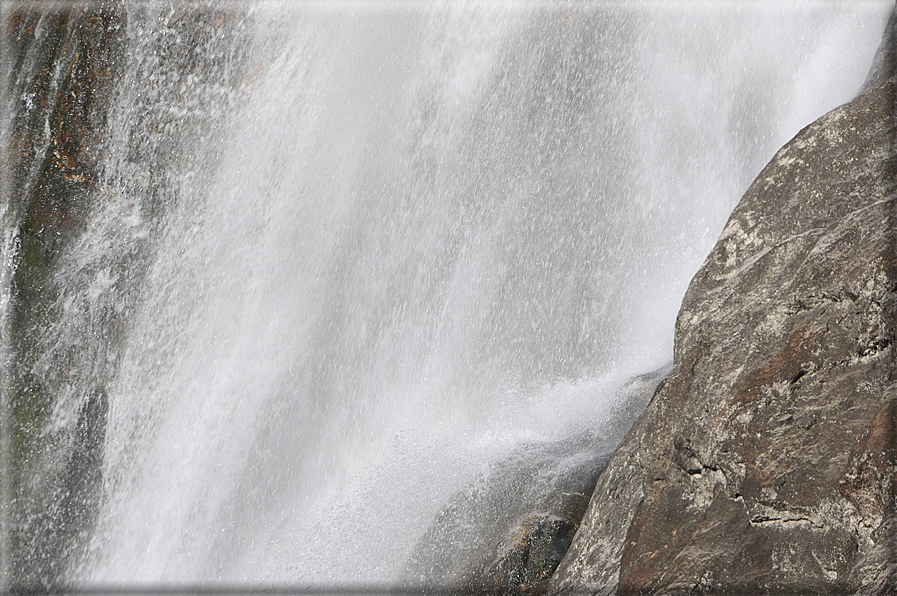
(61, 64)
(69, 72)
(528, 555)
(507, 534)
(765, 464)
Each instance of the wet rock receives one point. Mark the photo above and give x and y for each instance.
(506, 534)
(528, 555)
(70, 156)
(495, 533)
(62, 62)
(765, 464)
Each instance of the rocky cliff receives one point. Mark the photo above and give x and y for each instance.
(765, 464)
(59, 66)
(83, 147)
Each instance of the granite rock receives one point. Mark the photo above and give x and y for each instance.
(765, 464)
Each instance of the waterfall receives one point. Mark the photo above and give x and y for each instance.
(344, 264)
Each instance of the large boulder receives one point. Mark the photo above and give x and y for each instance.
(765, 464)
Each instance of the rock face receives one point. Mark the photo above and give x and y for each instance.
(884, 63)
(71, 161)
(765, 464)
(526, 510)
(60, 66)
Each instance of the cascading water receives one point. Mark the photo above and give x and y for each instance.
(345, 263)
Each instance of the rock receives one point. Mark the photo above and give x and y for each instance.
(528, 555)
(64, 62)
(884, 64)
(765, 464)
(506, 533)
(68, 159)
(497, 532)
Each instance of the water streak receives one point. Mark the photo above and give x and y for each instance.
(361, 257)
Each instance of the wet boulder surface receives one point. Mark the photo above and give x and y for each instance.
(765, 464)
(76, 160)
(504, 534)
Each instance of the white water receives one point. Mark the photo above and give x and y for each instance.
(406, 241)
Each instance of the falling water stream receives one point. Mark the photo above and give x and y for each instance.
(364, 257)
